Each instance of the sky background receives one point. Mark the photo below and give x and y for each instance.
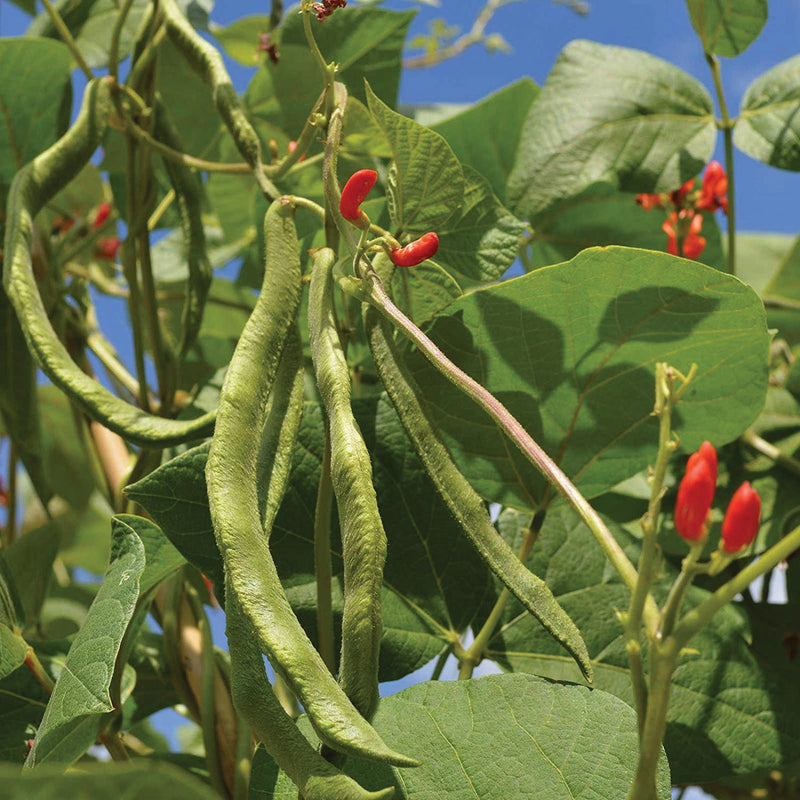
(537, 30)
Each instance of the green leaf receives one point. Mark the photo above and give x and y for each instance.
(426, 182)
(241, 39)
(145, 778)
(759, 256)
(498, 119)
(13, 649)
(82, 695)
(161, 557)
(610, 115)
(602, 216)
(91, 23)
(731, 707)
(31, 68)
(28, 6)
(727, 27)
(495, 738)
(570, 350)
(21, 709)
(785, 283)
(483, 244)
(423, 291)
(431, 581)
(768, 128)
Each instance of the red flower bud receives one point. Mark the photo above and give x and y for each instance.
(708, 454)
(103, 212)
(742, 518)
(107, 248)
(416, 252)
(695, 495)
(714, 191)
(354, 192)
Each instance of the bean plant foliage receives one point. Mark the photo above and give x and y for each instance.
(401, 396)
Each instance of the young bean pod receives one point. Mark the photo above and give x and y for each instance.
(463, 501)
(32, 187)
(189, 196)
(231, 477)
(316, 778)
(363, 537)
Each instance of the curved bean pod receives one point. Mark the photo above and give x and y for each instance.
(33, 185)
(316, 778)
(231, 477)
(363, 537)
(463, 501)
(188, 194)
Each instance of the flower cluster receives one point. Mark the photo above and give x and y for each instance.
(266, 45)
(324, 9)
(683, 206)
(695, 496)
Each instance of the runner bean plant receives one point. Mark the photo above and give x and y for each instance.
(347, 428)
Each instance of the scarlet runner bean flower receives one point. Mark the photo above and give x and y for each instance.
(696, 493)
(355, 190)
(103, 212)
(714, 191)
(416, 252)
(107, 248)
(693, 243)
(740, 526)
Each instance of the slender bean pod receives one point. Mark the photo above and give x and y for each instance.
(32, 187)
(463, 501)
(253, 696)
(207, 62)
(188, 194)
(363, 537)
(231, 472)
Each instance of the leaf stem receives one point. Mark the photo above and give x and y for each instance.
(752, 439)
(116, 33)
(66, 37)
(114, 745)
(39, 672)
(727, 137)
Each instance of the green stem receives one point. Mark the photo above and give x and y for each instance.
(752, 439)
(727, 136)
(39, 672)
(116, 33)
(322, 560)
(116, 748)
(376, 294)
(66, 37)
(106, 355)
(286, 697)
(672, 607)
(440, 662)
(314, 47)
(10, 532)
(699, 616)
(244, 758)
(477, 650)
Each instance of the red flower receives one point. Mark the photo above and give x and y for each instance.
(107, 248)
(693, 243)
(714, 191)
(679, 195)
(695, 494)
(103, 212)
(648, 201)
(740, 526)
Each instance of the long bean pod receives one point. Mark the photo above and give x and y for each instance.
(316, 778)
(32, 187)
(463, 501)
(188, 194)
(233, 495)
(207, 62)
(363, 536)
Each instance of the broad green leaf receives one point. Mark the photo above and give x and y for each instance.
(610, 115)
(85, 540)
(30, 560)
(423, 291)
(29, 68)
(241, 38)
(495, 738)
(91, 23)
(486, 135)
(483, 244)
(145, 778)
(161, 557)
(768, 128)
(785, 283)
(22, 703)
(760, 255)
(727, 27)
(571, 349)
(426, 182)
(731, 707)
(13, 649)
(602, 216)
(28, 6)
(432, 580)
(154, 688)
(82, 694)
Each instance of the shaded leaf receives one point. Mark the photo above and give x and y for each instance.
(570, 350)
(241, 38)
(610, 115)
(13, 649)
(727, 27)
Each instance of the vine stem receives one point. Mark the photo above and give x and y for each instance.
(752, 439)
(376, 294)
(727, 135)
(116, 33)
(66, 36)
(39, 672)
(10, 532)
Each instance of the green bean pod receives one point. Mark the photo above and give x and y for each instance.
(316, 778)
(207, 62)
(463, 501)
(233, 494)
(188, 194)
(32, 187)
(363, 537)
